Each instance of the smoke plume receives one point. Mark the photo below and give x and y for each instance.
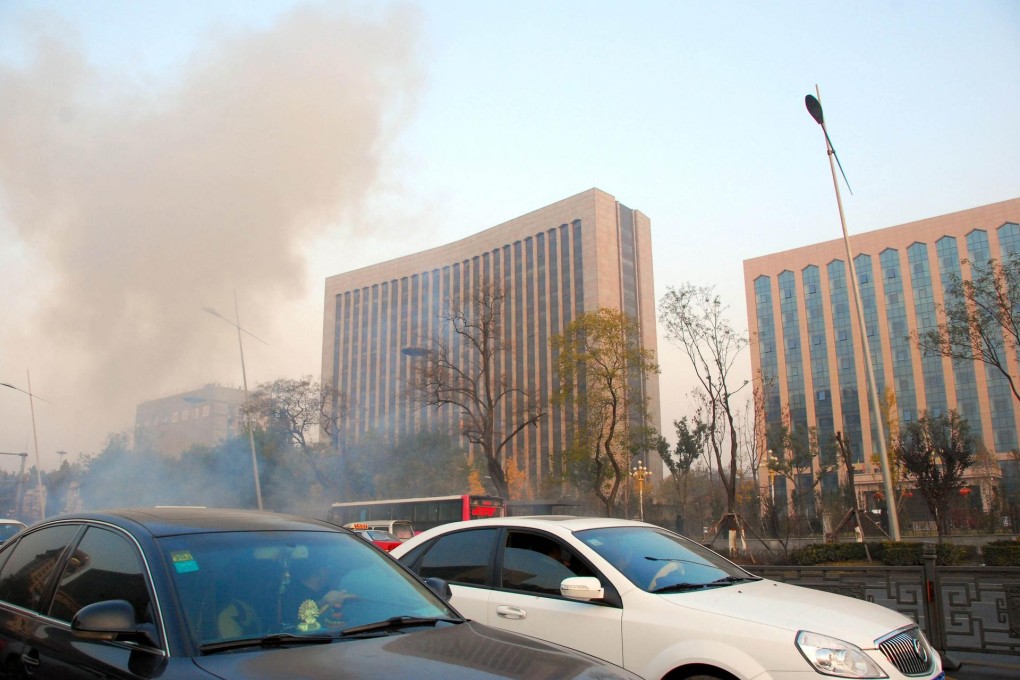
(127, 206)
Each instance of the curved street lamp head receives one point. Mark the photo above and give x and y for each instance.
(414, 351)
(814, 107)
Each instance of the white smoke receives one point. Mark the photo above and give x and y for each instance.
(126, 207)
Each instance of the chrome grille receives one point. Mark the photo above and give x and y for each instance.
(908, 651)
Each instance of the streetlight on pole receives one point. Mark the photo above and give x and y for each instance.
(35, 440)
(640, 473)
(814, 107)
(244, 377)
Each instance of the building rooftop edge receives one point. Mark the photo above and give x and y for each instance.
(480, 236)
(1010, 203)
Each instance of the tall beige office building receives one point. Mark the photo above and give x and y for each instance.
(804, 336)
(582, 253)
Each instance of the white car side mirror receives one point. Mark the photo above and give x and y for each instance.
(582, 588)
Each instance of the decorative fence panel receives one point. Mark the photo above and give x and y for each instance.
(973, 609)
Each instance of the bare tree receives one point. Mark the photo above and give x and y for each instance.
(602, 368)
(302, 410)
(982, 318)
(694, 320)
(466, 374)
(752, 425)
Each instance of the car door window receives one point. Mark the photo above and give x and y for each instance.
(461, 557)
(104, 566)
(26, 573)
(538, 564)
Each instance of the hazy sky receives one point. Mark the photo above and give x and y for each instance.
(156, 157)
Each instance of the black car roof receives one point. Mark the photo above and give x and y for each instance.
(175, 520)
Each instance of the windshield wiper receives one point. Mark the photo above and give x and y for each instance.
(718, 583)
(678, 559)
(726, 580)
(271, 640)
(681, 587)
(394, 623)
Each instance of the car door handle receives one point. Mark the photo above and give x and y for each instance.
(508, 612)
(30, 660)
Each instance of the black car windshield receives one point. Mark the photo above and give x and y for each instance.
(247, 585)
(657, 560)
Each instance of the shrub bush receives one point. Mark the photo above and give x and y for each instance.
(1002, 553)
(912, 554)
(888, 552)
(820, 553)
(901, 554)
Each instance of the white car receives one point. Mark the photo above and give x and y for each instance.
(659, 604)
(10, 528)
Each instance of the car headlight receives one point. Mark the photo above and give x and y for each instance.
(835, 657)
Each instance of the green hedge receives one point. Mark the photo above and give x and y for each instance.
(1002, 553)
(887, 552)
(819, 553)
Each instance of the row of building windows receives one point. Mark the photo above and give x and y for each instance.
(892, 325)
(382, 328)
(175, 416)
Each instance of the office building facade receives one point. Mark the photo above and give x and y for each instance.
(806, 343)
(206, 416)
(579, 254)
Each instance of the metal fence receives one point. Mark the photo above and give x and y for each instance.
(963, 609)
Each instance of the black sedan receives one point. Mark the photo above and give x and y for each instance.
(204, 593)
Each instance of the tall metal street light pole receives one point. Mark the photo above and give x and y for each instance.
(244, 377)
(35, 440)
(814, 107)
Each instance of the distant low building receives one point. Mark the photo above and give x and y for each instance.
(203, 417)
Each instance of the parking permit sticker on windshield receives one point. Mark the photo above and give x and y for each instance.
(183, 561)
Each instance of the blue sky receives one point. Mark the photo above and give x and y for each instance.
(476, 113)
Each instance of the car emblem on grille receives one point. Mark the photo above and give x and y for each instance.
(920, 651)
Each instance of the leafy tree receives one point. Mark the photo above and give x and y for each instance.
(1010, 493)
(10, 494)
(466, 374)
(691, 440)
(799, 456)
(364, 461)
(299, 411)
(935, 452)
(427, 464)
(601, 368)
(982, 318)
(694, 320)
(121, 476)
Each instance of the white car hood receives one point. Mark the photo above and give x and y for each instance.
(796, 608)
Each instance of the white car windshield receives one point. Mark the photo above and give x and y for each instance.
(243, 585)
(656, 560)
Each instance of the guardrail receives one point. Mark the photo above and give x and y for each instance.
(964, 609)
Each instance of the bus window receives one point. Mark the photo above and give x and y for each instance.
(423, 513)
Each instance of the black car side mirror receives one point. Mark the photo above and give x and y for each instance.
(440, 587)
(111, 620)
